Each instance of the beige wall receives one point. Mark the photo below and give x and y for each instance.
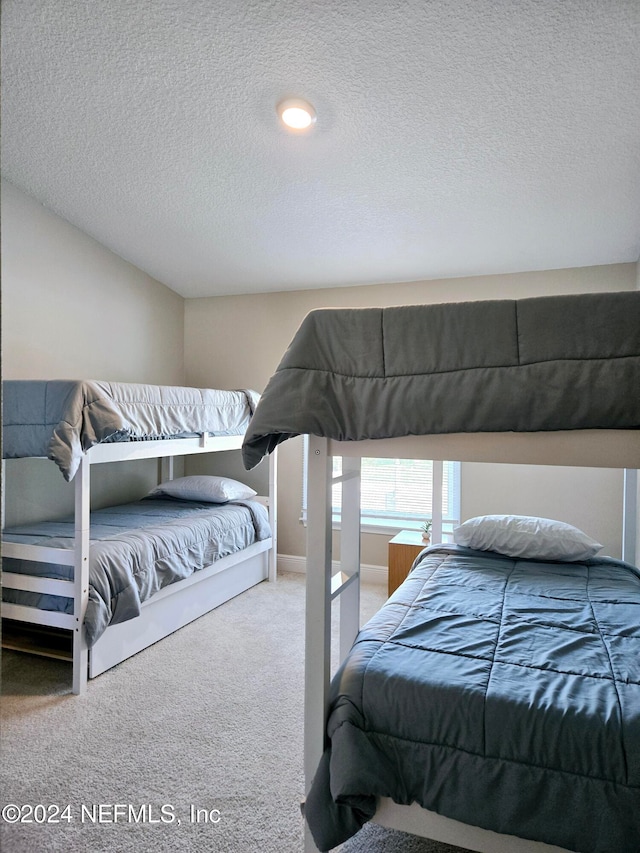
(71, 309)
(637, 559)
(237, 341)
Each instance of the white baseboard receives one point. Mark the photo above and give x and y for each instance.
(370, 574)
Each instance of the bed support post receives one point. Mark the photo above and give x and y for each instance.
(82, 481)
(349, 589)
(318, 610)
(165, 469)
(436, 504)
(4, 480)
(273, 513)
(630, 516)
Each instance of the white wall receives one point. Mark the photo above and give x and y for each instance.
(237, 341)
(71, 309)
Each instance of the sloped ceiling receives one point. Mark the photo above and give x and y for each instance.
(453, 137)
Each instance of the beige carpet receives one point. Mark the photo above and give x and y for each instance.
(211, 717)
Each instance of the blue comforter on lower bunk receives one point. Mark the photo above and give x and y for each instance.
(503, 693)
(136, 549)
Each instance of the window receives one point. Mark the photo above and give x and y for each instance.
(399, 493)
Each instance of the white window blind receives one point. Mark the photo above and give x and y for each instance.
(399, 493)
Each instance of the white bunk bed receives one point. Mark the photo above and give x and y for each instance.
(366, 383)
(171, 607)
(606, 449)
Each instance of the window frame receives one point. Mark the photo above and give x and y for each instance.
(389, 525)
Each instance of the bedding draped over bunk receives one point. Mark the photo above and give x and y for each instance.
(537, 364)
(62, 419)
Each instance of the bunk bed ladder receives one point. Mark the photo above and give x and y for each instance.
(323, 586)
(47, 619)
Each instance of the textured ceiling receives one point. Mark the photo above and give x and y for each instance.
(453, 137)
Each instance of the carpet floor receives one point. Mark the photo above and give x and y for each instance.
(194, 744)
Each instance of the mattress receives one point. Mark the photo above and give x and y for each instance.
(136, 549)
(499, 692)
(540, 364)
(63, 419)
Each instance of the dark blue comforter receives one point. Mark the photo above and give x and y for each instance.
(502, 693)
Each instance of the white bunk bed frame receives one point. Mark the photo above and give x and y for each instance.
(171, 607)
(579, 448)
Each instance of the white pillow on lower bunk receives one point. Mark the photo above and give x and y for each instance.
(526, 536)
(204, 487)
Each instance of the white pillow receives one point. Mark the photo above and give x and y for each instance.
(526, 536)
(203, 487)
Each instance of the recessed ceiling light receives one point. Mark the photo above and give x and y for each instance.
(296, 113)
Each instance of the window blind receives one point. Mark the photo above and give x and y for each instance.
(402, 490)
(399, 493)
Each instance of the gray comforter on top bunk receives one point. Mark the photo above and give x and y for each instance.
(62, 419)
(545, 363)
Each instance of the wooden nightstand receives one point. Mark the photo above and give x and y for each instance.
(403, 549)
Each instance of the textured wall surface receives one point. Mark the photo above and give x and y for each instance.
(452, 139)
